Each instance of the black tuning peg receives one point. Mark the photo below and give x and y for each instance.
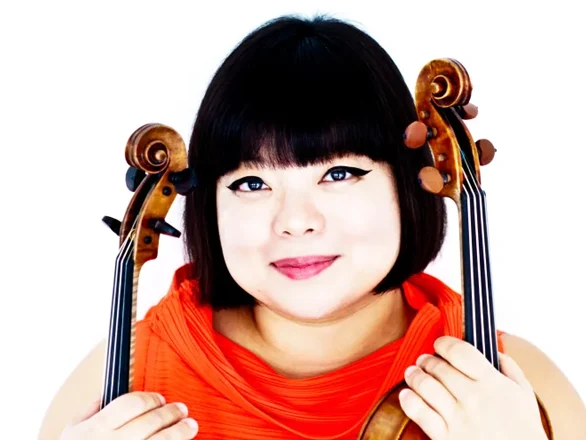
(162, 227)
(113, 224)
(133, 178)
(184, 181)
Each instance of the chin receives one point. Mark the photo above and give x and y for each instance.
(310, 306)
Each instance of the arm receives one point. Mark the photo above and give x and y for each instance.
(566, 411)
(81, 387)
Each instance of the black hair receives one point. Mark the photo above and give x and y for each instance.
(296, 91)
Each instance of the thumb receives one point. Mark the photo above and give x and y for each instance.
(512, 370)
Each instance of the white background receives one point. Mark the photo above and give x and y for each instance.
(78, 78)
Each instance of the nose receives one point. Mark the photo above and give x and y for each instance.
(297, 216)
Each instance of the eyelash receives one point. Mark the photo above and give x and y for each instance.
(357, 172)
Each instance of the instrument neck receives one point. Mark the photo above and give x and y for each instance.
(479, 322)
(118, 377)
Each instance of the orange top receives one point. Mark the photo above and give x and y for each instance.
(233, 394)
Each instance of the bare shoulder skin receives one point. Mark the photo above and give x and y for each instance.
(562, 402)
(82, 386)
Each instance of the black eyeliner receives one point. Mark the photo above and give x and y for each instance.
(234, 185)
(355, 171)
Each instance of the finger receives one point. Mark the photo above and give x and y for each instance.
(184, 430)
(127, 407)
(512, 370)
(456, 382)
(153, 422)
(430, 422)
(464, 357)
(432, 392)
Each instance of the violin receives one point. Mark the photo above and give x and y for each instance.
(157, 172)
(442, 100)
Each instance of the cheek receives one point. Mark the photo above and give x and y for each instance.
(372, 219)
(244, 230)
(372, 231)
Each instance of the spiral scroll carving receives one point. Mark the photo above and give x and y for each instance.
(448, 83)
(155, 148)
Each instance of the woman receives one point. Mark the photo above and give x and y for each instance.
(305, 301)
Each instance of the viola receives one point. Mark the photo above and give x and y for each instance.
(157, 172)
(442, 99)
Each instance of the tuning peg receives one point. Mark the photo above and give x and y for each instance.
(468, 111)
(486, 151)
(133, 178)
(162, 227)
(113, 224)
(431, 180)
(417, 134)
(184, 181)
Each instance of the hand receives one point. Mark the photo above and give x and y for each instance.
(132, 416)
(460, 396)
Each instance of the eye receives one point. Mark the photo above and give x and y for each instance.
(341, 173)
(247, 184)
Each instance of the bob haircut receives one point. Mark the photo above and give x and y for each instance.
(296, 92)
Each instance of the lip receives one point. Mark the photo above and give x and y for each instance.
(301, 268)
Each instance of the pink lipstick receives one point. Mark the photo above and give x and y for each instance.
(301, 268)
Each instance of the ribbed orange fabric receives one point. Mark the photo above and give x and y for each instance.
(233, 394)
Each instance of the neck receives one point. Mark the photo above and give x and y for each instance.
(303, 349)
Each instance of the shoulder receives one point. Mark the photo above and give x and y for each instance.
(85, 381)
(82, 386)
(561, 400)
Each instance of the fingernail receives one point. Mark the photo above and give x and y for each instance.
(162, 399)
(182, 407)
(421, 358)
(409, 371)
(403, 393)
(191, 423)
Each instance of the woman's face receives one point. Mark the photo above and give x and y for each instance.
(312, 242)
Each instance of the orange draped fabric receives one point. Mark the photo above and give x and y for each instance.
(233, 394)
